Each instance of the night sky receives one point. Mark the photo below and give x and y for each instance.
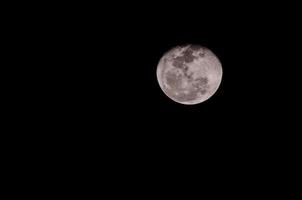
(92, 82)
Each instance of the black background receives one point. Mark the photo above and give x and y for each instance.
(91, 90)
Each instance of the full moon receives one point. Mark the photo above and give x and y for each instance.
(189, 74)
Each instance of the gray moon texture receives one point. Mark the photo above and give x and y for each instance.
(189, 74)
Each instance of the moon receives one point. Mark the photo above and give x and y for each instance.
(189, 74)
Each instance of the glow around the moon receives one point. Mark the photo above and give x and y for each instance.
(189, 74)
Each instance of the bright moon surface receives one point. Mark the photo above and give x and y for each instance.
(189, 74)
